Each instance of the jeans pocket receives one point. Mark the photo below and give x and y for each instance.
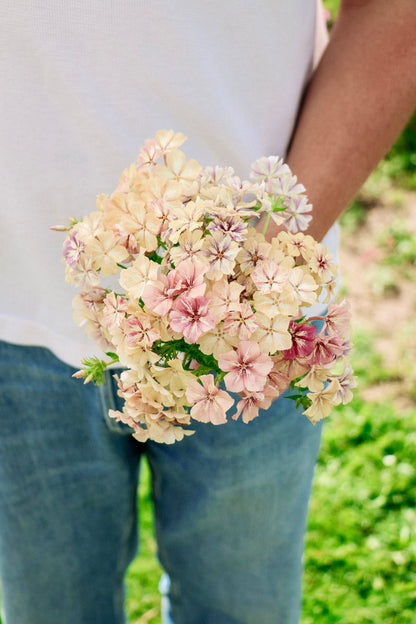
(108, 394)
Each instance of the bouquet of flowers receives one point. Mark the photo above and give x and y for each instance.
(203, 305)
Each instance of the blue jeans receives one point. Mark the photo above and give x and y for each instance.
(230, 505)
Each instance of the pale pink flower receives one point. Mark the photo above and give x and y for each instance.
(346, 382)
(267, 169)
(115, 310)
(215, 174)
(320, 263)
(73, 247)
(191, 317)
(139, 332)
(210, 403)
(326, 349)
(149, 153)
(220, 252)
(242, 322)
(296, 216)
(338, 318)
(250, 405)
(303, 340)
(188, 278)
(225, 298)
(277, 380)
(82, 274)
(247, 368)
(269, 276)
(157, 295)
(230, 224)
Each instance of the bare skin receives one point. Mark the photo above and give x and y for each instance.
(359, 99)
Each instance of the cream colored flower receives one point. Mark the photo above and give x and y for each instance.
(322, 402)
(135, 278)
(106, 253)
(272, 335)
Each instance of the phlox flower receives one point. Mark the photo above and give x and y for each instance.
(269, 276)
(149, 153)
(115, 209)
(255, 250)
(90, 226)
(338, 318)
(298, 244)
(296, 216)
(191, 317)
(126, 179)
(186, 217)
(173, 376)
(139, 331)
(320, 263)
(106, 253)
(88, 305)
(287, 186)
(315, 379)
(138, 275)
(346, 381)
(291, 368)
(168, 140)
(322, 402)
(217, 341)
(220, 251)
(72, 248)
(214, 175)
(326, 349)
(158, 295)
(230, 224)
(277, 380)
(178, 168)
(303, 284)
(143, 224)
(210, 403)
(267, 169)
(273, 303)
(272, 334)
(188, 278)
(190, 243)
(225, 298)
(82, 274)
(247, 368)
(115, 310)
(242, 322)
(250, 404)
(303, 341)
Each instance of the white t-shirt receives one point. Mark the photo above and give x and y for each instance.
(85, 83)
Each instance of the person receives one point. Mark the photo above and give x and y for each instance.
(83, 84)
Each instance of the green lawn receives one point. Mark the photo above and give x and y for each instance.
(360, 563)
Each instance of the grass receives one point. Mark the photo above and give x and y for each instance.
(360, 561)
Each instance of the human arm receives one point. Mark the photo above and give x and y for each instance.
(357, 102)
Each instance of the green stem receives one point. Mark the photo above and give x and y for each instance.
(266, 224)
